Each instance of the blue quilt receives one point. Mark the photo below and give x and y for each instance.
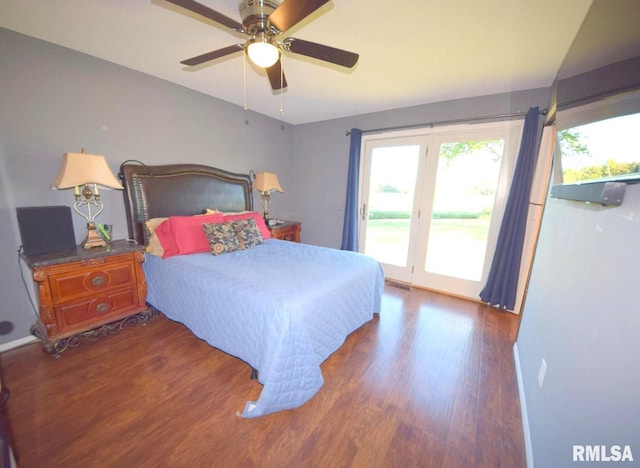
(282, 307)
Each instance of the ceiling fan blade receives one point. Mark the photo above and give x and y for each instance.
(213, 55)
(208, 13)
(276, 76)
(321, 52)
(291, 12)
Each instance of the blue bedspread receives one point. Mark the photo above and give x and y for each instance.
(282, 307)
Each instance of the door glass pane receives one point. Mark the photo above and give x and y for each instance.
(466, 183)
(393, 173)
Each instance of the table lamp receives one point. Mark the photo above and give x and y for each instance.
(265, 183)
(85, 172)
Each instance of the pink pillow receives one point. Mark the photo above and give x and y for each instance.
(266, 234)
(188, 235)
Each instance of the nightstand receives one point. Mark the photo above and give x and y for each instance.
(287, 230)
(87, 292)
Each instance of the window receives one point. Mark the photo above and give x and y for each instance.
(601, 150)
(598, 142)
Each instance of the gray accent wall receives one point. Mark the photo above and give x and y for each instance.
(582, 316)
(582, 309)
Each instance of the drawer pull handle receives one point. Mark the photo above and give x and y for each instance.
(98, 281)
(102, 307)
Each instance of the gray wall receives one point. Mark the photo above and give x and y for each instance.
(54, 100)
(582, 316)
(581, 312)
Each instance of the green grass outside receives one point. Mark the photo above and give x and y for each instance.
(391, 229)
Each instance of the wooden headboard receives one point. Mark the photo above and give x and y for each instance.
(179, 189)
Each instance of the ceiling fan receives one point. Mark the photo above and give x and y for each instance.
(263, 21)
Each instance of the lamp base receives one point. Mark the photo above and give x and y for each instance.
(93, 239)
(264, 201)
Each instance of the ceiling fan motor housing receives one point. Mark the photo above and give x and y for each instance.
(255, 15)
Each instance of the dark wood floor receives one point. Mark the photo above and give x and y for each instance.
(430, 382)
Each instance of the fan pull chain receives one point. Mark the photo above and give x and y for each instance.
(244, 86)
(281, 95)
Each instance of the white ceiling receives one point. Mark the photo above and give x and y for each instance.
(411, 51)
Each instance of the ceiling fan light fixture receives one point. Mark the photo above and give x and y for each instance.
(262, 51)
(263, 21)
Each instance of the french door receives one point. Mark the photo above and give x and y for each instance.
(390, 193)
(432, 202)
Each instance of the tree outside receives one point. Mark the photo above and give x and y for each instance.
(600, 150)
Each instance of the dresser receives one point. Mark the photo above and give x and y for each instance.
(87, 293)
(286, 230)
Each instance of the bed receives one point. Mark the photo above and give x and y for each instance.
(280, 306)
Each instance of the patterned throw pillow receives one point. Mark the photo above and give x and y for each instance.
(262, 226)
(222, 238)
(247, 232)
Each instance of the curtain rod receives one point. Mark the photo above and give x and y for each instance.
(444, 122)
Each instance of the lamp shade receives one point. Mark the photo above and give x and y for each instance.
(82, 168)
(267, 182)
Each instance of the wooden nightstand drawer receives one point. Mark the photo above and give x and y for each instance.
(105, 307)
(89, 280)
(286, 230)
